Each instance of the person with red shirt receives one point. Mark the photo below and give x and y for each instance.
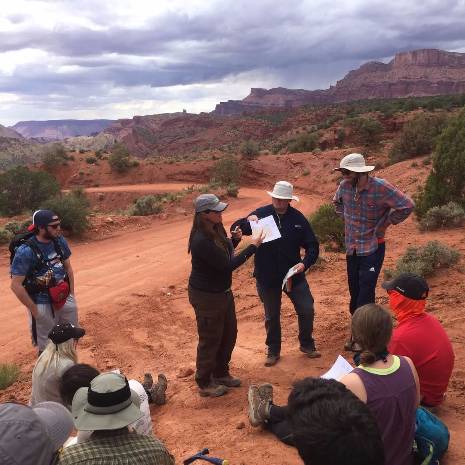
(420, 336)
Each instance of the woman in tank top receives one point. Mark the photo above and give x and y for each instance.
(387, 383)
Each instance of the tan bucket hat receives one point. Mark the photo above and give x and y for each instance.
(283, 190)
(107, 404)
(354, 162)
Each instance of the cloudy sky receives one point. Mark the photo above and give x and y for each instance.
(113, 59)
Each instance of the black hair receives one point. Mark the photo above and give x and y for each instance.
(331, 426)
(75, 377)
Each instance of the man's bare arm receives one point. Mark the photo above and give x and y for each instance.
(22, 295)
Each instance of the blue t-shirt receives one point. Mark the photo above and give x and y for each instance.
(25, 259)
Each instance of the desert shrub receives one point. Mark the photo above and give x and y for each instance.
(249, 149)
(328, 226)
(446, 182)
(451, 215)
(22, 189)
(427, 161)
(5, 236)
(119, 159)
(146, 205)
(232, 190)
(304, 143)
(340, 137)
(135, 163)
(13, 227)
(423, 261)
(368, 129)
(417, 137)
(54, 156)
(73, 210)
(99, 154)
(226, 171)
(9, 373)
(91, 160)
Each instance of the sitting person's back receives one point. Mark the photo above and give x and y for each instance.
(388, 384)
(420, 336)
(107, 407)
(59, 355)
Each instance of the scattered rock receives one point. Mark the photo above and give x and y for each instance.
(109, 220)
(240, 425)
(185, 372)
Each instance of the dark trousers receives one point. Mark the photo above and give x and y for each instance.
(362, 275)
(302, 300)
(217, 329)
(279, 425)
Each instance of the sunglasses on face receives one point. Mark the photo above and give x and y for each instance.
(54, 226)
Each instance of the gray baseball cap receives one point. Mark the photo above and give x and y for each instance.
(32, 436)
(208, 202)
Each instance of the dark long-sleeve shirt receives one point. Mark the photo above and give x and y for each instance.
(212, 265)
(274, 259)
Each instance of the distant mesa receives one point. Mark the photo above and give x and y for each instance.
(418, 73)
(9, 133)
(60, 129)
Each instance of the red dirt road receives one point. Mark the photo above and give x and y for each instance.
(131, 291)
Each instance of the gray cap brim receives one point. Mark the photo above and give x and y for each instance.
(219, 208)
(388, 285)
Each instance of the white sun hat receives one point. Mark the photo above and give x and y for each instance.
(354, 162)
(283, 190)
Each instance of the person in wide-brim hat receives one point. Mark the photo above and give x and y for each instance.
(368, 205)
(108, 404)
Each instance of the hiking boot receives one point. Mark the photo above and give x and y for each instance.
(310, 352)
(148, 382)
(228, 381)
(158, 391)
(259, 398)
(213, 390)
(271, 359)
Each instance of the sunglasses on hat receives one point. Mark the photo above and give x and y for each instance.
(54, 226)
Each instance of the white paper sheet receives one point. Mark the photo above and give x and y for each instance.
(289, 274)
(268, 226)
(340, 368)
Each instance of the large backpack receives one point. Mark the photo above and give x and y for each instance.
(39, 262)
(431, 437)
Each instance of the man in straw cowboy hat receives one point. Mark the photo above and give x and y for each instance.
(274, 259)
(368, 206)
(107, 407)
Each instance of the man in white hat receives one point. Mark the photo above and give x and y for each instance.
(368, 206)
(107, 408)
(273, 260)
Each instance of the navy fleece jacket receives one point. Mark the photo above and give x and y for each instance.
(274, 259)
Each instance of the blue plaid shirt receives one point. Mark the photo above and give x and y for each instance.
(368, 213)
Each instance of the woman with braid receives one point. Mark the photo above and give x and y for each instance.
(387, 383)
(213, 261)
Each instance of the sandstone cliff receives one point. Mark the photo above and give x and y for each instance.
(417, 73)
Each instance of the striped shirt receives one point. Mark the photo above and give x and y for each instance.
(367, 213)
(118, 448)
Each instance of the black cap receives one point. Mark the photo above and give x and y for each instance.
(65, 332)
(408, 284)
(43, 217)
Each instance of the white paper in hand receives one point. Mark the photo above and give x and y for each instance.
(289, 274)
(268, 226)
(340, 368)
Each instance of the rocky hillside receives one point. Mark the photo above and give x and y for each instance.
(410, 74)
(9, 133)
(60, 129)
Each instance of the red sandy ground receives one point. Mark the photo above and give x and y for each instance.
(131, 291)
